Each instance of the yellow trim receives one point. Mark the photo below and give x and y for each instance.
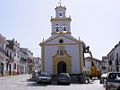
(43, 56)
(58, 58)
(70, 38)
(52, 39)
(80, 57)
(61, 44)
(61, 19)
(61, 33)
(74, 39)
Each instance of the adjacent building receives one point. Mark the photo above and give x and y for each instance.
(29, 60)
(14, 60)
(14, 48)
(104, 65)
(114, 59)
(3, 57)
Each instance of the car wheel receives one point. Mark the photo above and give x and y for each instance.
(58, 83)
(38, 82)
(100, 82)
(50, 82)
(106, 89)
(68, 83)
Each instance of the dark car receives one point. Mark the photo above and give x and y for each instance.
(113, 81)
(63, 78)
(44, 78)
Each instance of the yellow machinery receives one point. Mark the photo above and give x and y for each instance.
(94, 72)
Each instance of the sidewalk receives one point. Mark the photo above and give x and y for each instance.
(13, 76)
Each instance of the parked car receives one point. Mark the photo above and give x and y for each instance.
(44, 78)
(113, 81)
(63, 78)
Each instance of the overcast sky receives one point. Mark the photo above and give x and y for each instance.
(96, 22)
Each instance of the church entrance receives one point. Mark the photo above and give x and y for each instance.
(61, 67)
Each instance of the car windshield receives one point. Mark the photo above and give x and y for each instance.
(114, 77)
(45, 74)
(63, 75)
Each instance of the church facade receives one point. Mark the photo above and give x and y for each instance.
(61, 52)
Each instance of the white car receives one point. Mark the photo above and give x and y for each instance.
(44, 78)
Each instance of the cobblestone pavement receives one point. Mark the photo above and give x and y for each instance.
(20, 83)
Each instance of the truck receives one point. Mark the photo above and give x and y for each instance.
(94, 72)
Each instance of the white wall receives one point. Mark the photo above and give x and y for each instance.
(72, 50)
(49, 52)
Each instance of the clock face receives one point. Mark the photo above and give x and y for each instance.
(61, 41)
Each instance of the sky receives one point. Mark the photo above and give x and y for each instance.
(96, 22)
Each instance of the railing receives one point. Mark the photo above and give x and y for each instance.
(11, 59)
(116, 62)
(23, 60)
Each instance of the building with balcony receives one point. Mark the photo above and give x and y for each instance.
(10, 62)
(104, 65)
(3, 57)
(17, 58)
(23, 61)
(14, 60)
(14, 48)
(114, 59)
(29, 60)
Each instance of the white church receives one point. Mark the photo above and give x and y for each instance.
(61, 52)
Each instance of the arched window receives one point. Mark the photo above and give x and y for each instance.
(57, 28)
(64, 27)
(60, 13)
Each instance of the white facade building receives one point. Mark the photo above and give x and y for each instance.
(23, 62)
(29, 59)
(9, 64)
(13, 58)
(15, 47)
(114, 59)
(104, 65)
(61, 52)
(18, 63)
(3, 57)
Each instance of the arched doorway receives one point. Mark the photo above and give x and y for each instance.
(61, 67)
(2, 69)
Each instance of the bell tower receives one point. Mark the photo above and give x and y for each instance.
(61, 23)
